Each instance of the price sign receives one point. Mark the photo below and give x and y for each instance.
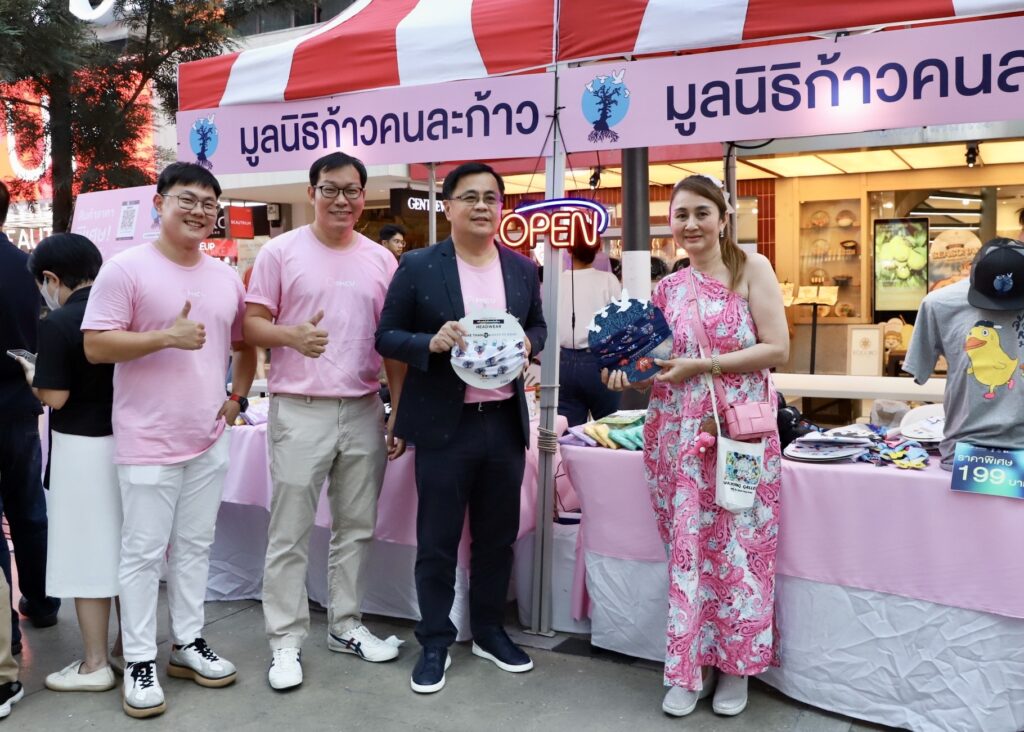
(989, 471)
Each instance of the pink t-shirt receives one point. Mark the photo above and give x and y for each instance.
(296, 275)
(483, 288)
(166, 403)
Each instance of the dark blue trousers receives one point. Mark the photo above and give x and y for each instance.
(24, 505)
(580, 391)
(480, 469)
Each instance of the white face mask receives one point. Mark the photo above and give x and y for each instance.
(51, 300)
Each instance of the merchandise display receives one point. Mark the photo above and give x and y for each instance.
(496, 350)
(628, 335)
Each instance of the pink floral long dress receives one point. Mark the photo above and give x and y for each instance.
(721, 565)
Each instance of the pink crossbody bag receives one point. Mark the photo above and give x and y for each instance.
(750, 421)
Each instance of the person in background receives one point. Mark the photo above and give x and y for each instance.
(21, 485)
(392, 236)
(616, 265)
(721, 565)
(85, 500)
(581, 293)
(171, 344)
(470, 442)
(326, 419)
(658, 270)
(681, 263)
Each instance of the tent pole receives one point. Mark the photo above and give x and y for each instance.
(636, 223)
(432, 205)
(729, 163)
(543, 547)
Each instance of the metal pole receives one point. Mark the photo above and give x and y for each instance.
(543, 542)
(729, 162)
(636, 223)
(432, 205)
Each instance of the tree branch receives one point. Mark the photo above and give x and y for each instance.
(16, 100)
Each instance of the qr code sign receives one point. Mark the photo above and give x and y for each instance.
(126, 225)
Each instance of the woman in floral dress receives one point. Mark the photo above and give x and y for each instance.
(721, 565)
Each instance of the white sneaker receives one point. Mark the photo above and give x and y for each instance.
(70, 678)
(143, 696)
(361, 642)
(198, 662)
(679, 702)
(285, 669)
(731, 695)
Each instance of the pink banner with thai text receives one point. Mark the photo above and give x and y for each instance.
(948, 74)
(118, 219)
(500, 117)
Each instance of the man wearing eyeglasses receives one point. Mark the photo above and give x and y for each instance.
(168, 315)
(314, 299)
(470, 443)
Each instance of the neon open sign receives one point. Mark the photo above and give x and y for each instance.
(565, 221)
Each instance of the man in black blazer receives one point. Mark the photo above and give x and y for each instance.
(470, 443)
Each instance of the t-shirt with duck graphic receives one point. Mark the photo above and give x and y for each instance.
(984, 395)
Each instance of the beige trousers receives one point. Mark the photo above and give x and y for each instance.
(312, 439)
(8, 666)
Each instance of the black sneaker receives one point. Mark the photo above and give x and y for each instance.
(428, 676)
(496, 646)
(10, 693)
(38, 621)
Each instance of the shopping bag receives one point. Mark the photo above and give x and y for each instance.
(738, 473)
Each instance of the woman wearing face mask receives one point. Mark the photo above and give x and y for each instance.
(721, 564)
(84, 507)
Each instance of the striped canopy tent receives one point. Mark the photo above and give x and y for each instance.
(375, 44)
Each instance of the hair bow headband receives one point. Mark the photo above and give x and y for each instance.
(720, 186)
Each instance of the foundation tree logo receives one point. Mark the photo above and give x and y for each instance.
(605, 104)
(203, 139)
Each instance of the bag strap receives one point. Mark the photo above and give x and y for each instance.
(703, 343)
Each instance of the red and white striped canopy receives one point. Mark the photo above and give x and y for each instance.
(385, 43)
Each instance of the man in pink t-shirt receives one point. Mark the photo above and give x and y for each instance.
(314, 299)
(470, 443)
(168, 316)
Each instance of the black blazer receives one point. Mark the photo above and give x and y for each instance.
(424, 294)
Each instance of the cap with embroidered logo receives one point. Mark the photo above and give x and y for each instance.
(997, 276)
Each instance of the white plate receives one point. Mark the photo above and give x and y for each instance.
(822, 453)
(919, 414)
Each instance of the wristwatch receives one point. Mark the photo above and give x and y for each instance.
(716, 368)
(243, 403)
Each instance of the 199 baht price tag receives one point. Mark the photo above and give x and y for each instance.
(987, 470)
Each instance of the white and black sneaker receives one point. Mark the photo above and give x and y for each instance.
(143, 696)
(285, 669)
(198, 662)
(10, 693)
(361, 642)
(499, 649)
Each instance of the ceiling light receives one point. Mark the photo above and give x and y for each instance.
(888, 204)
(972, 154)
(944, 212)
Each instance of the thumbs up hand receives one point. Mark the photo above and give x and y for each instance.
(187, 334)
(308, 338)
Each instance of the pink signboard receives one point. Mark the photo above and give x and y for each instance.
(116, 220)
(949, 74)
(500, 117)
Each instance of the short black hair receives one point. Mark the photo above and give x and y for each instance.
(333, 161)
(387, 232)
(72, 257)
(658, 268)
(681, 263)
(5, 202)
(186, 174)
(452, 179)
(583, 252)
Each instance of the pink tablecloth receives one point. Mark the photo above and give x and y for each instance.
(248, 483)
(849, 524)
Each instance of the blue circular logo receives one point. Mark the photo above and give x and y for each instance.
(203, 139)
(605, 103)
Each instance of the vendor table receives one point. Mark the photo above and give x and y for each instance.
(858, 387)
(897, 600)
(236, 560)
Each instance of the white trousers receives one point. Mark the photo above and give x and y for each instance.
(169, 510)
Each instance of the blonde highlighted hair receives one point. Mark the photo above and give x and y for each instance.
(733, 257)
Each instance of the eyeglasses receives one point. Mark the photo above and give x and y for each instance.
(472, 198)
(188, 203)
(331, 191)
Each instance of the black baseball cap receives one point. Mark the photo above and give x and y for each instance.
(997, 276)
